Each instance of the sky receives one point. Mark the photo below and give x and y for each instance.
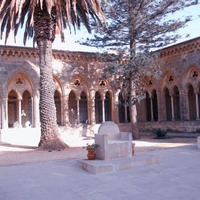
(192, 28)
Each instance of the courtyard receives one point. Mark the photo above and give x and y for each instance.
(28, 173)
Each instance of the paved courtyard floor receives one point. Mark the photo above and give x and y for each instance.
(29, 174)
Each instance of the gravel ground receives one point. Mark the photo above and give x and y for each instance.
(19, 154)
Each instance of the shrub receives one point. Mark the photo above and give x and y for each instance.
(160, 134)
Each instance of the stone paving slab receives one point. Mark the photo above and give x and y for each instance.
(176, 178)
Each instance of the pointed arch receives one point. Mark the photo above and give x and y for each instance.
(12, 108)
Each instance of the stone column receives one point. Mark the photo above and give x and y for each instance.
(4, 113)
(20, 112)
(36, 111)
(172, 107)
(66, 109)
(197, 106)
(103, 109)
(78, 110)
(62, 111)
(151, 101)
(92, 119)
(32, 111)
(116, 110)
(126, 107)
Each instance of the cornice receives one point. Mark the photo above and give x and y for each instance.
(27, 52)
(181, 48)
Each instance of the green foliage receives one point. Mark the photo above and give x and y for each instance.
(134, 30)
(92, 146)
(160, 134)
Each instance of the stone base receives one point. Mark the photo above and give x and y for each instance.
(198, 142)
(103, 166)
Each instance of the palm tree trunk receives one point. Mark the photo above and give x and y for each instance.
(44, 25)
(133, 108)
(49, 131)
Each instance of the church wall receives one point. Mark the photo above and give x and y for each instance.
(79, 72)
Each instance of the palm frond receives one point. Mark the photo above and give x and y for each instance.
(14, 13)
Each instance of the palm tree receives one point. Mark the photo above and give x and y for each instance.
(41, 19)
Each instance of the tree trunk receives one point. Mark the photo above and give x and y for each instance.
(133, 108)
(134, 123)
(50, 138)
(44, 25)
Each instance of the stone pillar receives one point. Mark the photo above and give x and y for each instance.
(91, 109)
(116, 110)
(66, 110)
(197, 106)
(78, 110)
(62, 111)
(103, 109)
(4, 113)
(172, 107)
(151, 100)
(36, 111)
(20, 112)
(32, 111)
(126, 107)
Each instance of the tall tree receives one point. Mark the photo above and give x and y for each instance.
(40, 19)
(135, 29)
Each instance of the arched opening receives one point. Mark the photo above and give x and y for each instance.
(26, 109)
(155, 105)
(57, 100)
(148, 107)
(121, 108)
(12, 108)
(72, 104)
(192, 103)
(98, 108)
(108, 107)
(168, 105)
(83, 108)
(176, 101)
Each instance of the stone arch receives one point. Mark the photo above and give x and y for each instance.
(12, 108)
(191, 76)
(57, 84)
(21, 85)
(169, 80)
(79, 81)
(191, 102)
